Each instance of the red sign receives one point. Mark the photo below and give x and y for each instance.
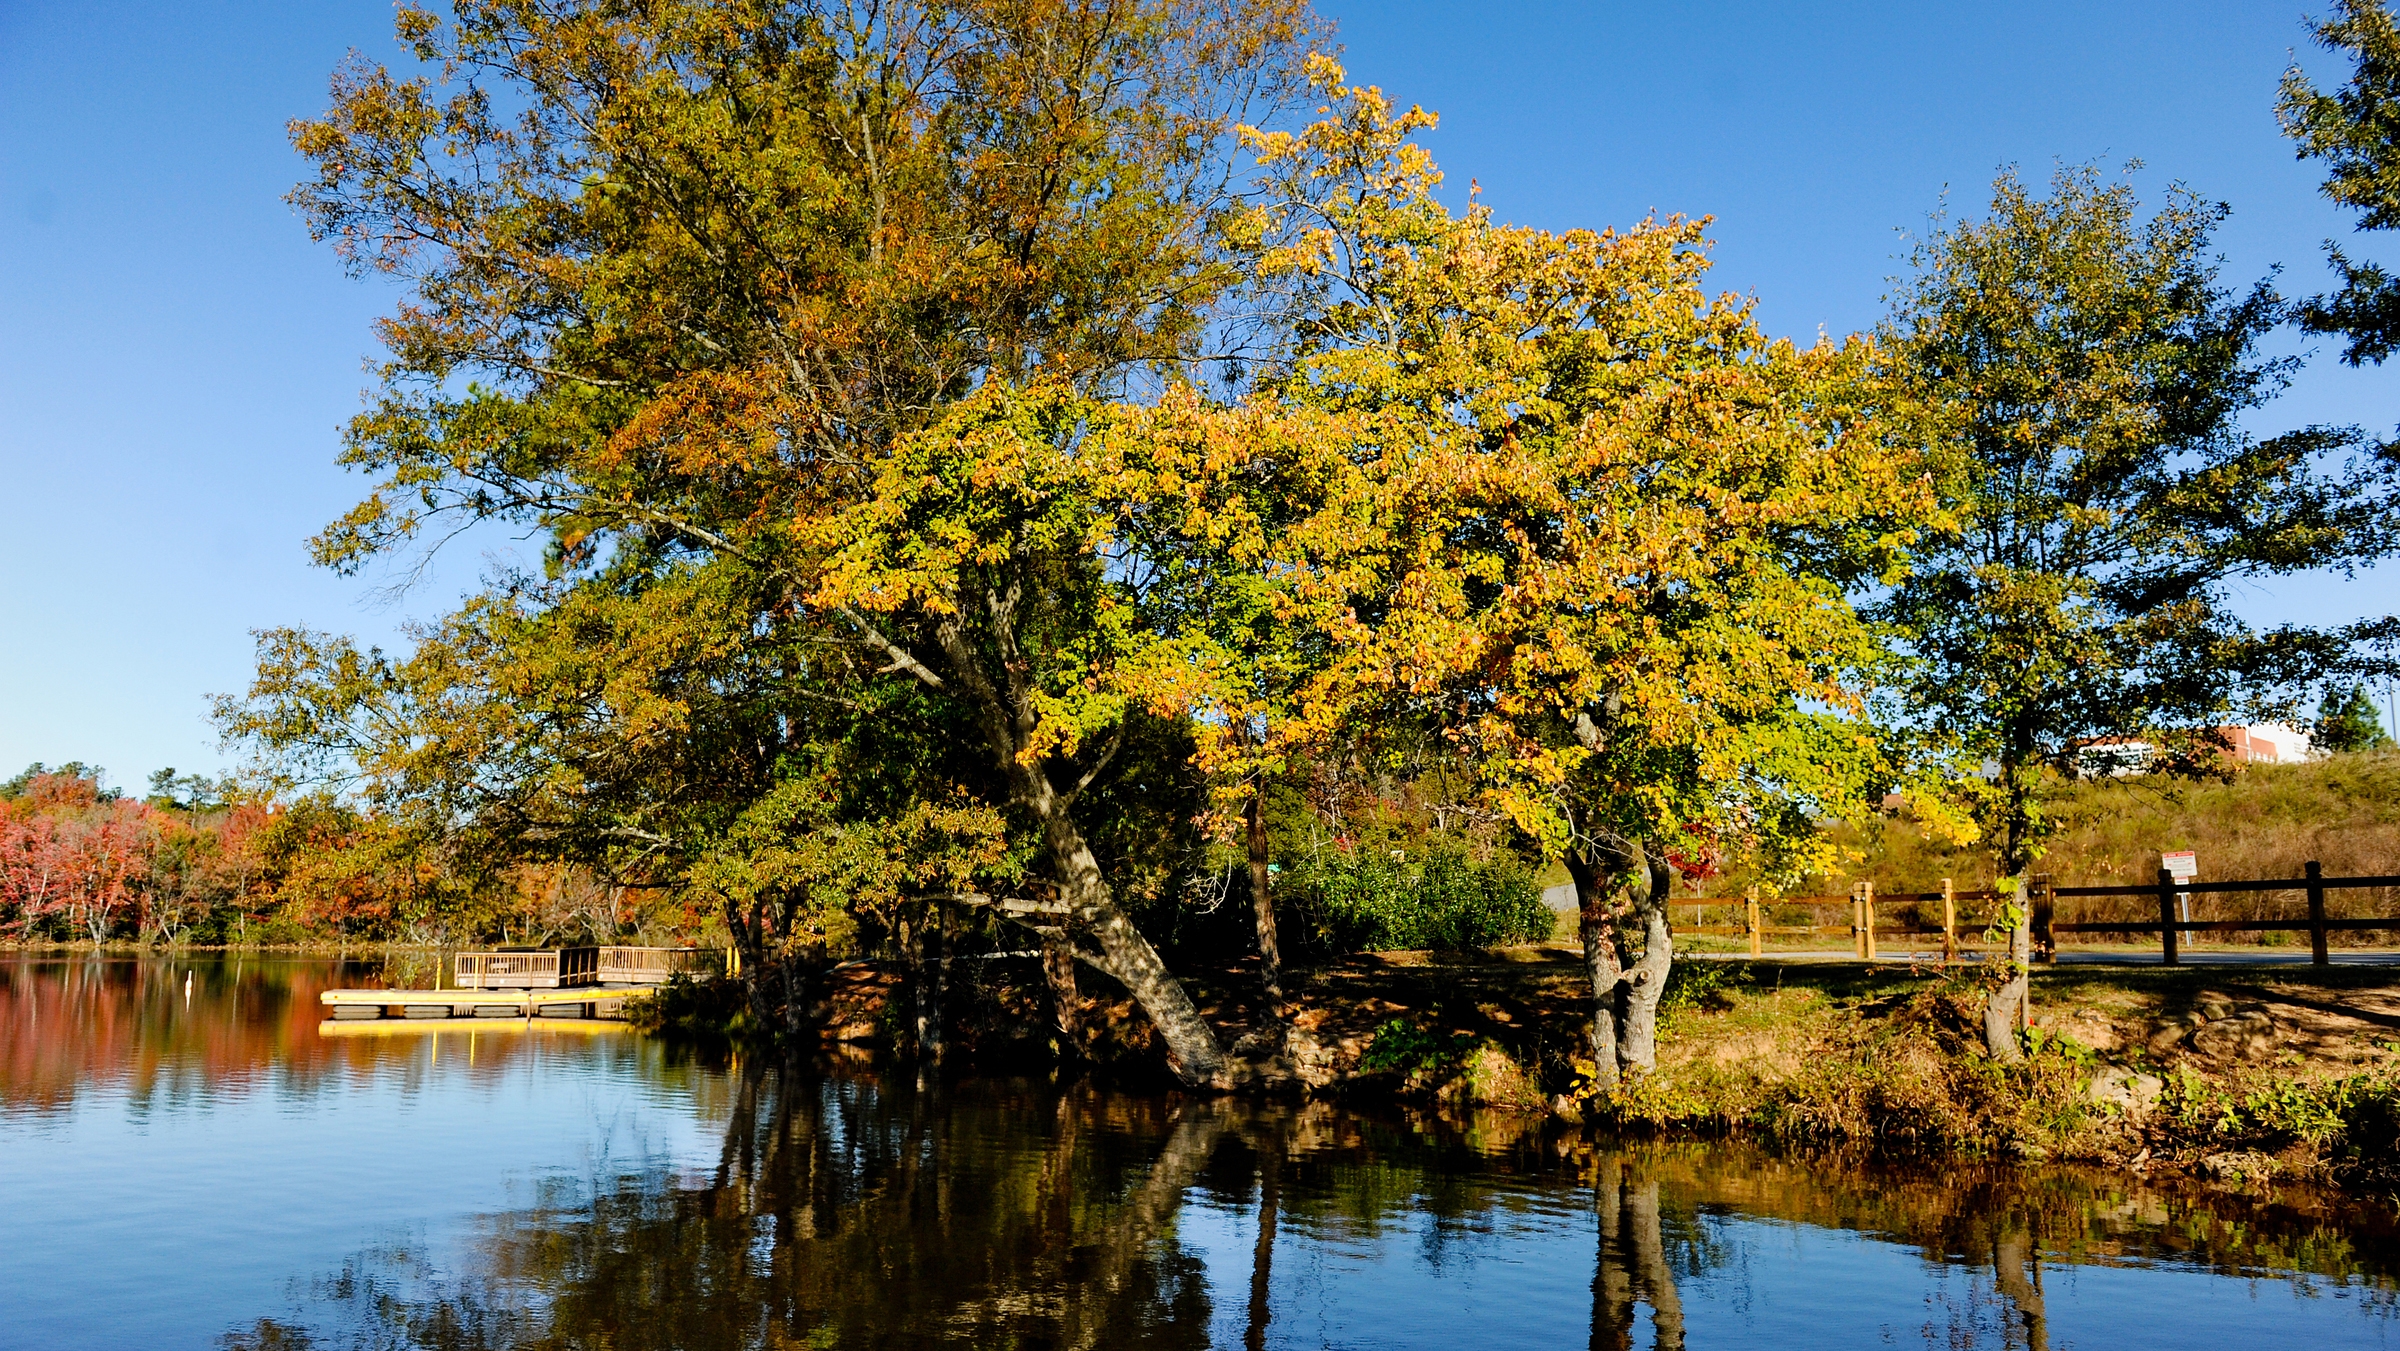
(2185, 865)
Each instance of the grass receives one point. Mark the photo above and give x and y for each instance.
(2265, 821)
(1852, 1054)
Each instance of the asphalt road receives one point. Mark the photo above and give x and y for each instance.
(2071, 957)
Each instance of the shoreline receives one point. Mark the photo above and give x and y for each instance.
(2242, 1070)
(2243, 1073)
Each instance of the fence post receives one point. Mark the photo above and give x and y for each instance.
(2045, 901)
(1750, 919)
(1949, 923)
(2316, 915)
(1867, 917)
(1858, 939)
(2166, 914)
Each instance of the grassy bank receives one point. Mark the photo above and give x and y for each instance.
(2257, 1073)
(2284, 1072)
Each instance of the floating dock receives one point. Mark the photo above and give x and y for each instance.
(573, 1002)
(525, 983)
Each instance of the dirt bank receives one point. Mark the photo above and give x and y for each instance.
(2255, 1072)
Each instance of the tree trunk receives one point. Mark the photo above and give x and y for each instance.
(1612, 1273)
(929, 956)
(1262, 1248)
(1066, 1002)
(2002, 1008)
(1262, 903)
(1599, 962)
(2017, 1270)
(1646, 979)
(1012, 716)
(2005, 1005)
(1656, 1280)
(1192, 1049)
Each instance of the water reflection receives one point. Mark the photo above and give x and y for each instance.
(844, 1211)
(161, 1031)
(522, 1187)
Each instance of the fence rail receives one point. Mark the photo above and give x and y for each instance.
(1864, 929)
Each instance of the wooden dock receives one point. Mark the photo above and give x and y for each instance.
(529, 983)
(578, 1002)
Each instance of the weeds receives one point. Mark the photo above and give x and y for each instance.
(1402, 1047)
(1705, 986)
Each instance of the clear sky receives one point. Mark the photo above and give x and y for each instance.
(176, 356)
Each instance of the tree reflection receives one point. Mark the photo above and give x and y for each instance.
(848, 1211)
(838, 1215)
(1633, 1261)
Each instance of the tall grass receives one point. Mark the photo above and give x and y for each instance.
(2264, 822)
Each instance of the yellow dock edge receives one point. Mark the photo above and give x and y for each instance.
(389, 1027)
(469, 998)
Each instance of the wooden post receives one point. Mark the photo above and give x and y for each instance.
(2045, 899)
(1858, 935)
(2166, 914)
(1949, 923)
(1750, 920)
(2316, 915)
(1866, 905)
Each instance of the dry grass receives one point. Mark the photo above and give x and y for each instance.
(2265, 822)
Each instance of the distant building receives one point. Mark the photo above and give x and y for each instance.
(2266, 743)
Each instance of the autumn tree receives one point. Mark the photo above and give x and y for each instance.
(2080, 379)
(1596, 529)
(690, 283)
(73, 855)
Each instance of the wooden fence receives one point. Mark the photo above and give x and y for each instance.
(1864, 928)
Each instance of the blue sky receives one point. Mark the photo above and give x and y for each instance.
(176, 356)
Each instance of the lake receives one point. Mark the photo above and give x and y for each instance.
(191, 1159)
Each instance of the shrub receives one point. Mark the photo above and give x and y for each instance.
(1365, 902)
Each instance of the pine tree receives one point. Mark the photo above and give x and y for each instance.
(2348, 722)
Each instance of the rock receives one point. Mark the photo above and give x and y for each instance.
(2240, 1165)
(2166, 1037)
(2214, 1010)
(2130, 1091)
(2249, 1035)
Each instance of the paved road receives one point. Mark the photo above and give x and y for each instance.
(2263, 957)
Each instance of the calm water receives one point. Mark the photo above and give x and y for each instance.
(189, 1160)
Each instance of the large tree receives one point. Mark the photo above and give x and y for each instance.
(689, 283)
(1600, 532)
(2081, 380)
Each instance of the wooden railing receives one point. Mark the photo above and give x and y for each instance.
(1864, 929)
(560, 968)
(542, 969)
(652, 966)
(2170, 925)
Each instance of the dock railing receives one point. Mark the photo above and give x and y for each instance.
(526, 969)
(652, 966)
(1753, 915)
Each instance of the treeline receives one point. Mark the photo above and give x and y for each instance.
(1062, 472)
(202, 862)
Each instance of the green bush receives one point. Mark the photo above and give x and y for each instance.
(1345, 901)
(1402, 1047)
